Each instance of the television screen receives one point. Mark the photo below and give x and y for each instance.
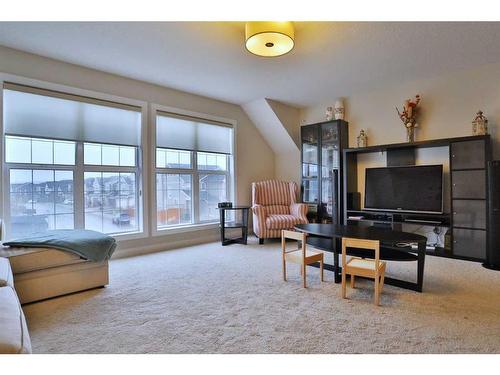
(415, 188)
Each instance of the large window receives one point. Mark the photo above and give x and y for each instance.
(71, 162)
(193, 169)
(74, 162)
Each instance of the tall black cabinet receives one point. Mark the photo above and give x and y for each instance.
(322, 146)
(469, 196)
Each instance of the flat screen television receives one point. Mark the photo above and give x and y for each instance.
(406, 189)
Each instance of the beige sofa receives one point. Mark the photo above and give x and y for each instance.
(14, 336)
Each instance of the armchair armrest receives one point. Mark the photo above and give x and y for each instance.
(259, 210)
(259, 220)
(299, 210)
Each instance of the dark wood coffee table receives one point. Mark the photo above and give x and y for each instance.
(328, 237)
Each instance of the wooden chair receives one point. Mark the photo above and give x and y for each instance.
(302, 255)
(372, 268)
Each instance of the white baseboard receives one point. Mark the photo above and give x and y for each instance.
(167, 245)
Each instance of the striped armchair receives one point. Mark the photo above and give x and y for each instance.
(275, 207)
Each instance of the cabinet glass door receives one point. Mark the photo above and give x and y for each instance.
(329, 168)
(310, 193)
(310, 164)
(329, 133)
(309, 170)
(310, 152)
(329, 159)
(329, 195)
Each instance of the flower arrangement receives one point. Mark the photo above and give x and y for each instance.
(408, 116)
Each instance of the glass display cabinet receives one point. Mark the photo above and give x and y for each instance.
(322, 145)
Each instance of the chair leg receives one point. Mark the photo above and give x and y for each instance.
(377, 290)
(353, 282)
(382, 282)
(284, 269)
(344, 284)
(303, 267)
(321, 269)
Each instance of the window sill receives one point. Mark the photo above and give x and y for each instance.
(186, 228)
(128, 236)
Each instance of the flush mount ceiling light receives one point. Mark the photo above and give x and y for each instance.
(269, 39)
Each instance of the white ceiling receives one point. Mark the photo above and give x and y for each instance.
(330, 59)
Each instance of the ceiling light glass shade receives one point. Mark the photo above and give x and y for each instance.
(269, 39)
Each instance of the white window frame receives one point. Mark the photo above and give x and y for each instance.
(141, 169)
(194, 172)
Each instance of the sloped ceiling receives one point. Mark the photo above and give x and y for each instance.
(274, 131)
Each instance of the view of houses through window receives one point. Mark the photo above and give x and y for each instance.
(110, 201)
(40, 199)
(174, 199)
(213, 189)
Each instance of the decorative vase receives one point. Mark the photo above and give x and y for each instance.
(362, 139)
(329, 113)
(480, 124)
(339, 110)
(410, 133)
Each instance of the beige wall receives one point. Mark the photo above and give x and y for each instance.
(289, 117)
(286, 166)
(255, 159)
(448, 105)
(285, 163)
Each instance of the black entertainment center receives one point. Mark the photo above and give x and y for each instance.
(465, 217)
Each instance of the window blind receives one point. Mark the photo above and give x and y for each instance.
(34, 112)
(191, 133)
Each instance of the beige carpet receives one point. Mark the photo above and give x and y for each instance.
(213, 299)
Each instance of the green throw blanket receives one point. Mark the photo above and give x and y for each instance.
(88, 244)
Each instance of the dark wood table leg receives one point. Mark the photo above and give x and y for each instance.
(222, 224)
(245, 225)
(336, 268)
(420, 265)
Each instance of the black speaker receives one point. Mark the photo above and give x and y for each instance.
(354, 201)
(493, 248)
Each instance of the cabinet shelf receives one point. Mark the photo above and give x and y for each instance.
(234, 225)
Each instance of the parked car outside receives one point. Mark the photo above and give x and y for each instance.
(121, 219)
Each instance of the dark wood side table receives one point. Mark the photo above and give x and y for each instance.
(243, 224)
